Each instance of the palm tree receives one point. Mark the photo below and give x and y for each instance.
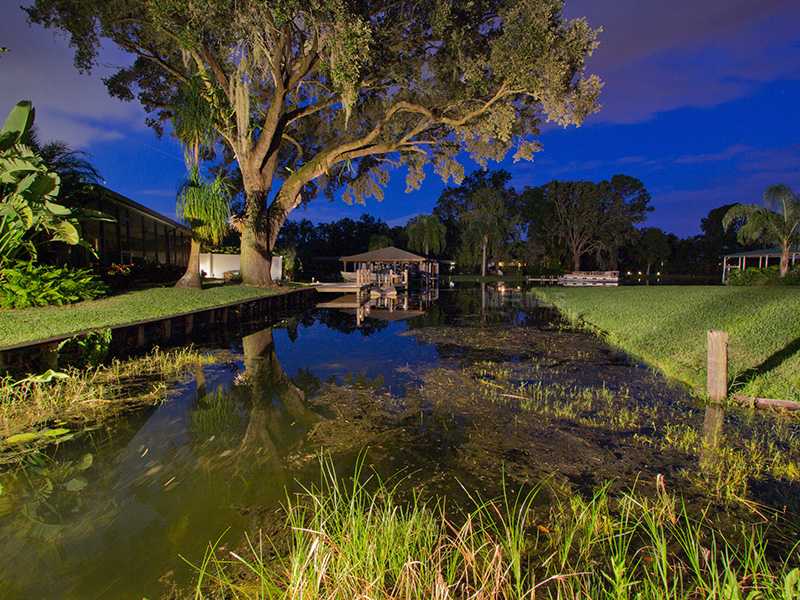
(426, 234)
(487, 225)
(204, 206)
(777, 222)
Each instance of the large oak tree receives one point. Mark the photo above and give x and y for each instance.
(317, 94)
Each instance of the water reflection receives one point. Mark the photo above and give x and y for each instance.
(447, 387)
(713, 422)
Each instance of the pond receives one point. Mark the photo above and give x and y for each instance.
(456, 389)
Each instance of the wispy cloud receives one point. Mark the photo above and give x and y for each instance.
(726, 154)
(70, 106)
(680, 209)
(659, 56)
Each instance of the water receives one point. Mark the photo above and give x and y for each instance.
(428, 384)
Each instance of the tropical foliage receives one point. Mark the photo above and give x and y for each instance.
(426, 234)
(73, 167)
(29, 213)
(25, 284)
(777, 222)
(322, 94)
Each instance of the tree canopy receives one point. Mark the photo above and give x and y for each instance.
(426, 234)
(327, 93)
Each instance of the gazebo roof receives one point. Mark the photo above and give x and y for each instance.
(389, 254)
(762, 252)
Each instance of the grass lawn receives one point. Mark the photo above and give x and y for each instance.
(31, 324)
(666, 327)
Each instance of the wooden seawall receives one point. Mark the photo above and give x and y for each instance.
(197, 325)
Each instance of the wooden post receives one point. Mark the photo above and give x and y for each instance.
(50, 356)
(141, 338)
(167, 329)
(717, 373)
(189, 324)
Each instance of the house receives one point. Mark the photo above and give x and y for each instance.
(139, 234)
(751, 258)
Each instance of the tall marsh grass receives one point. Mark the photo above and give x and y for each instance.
(356, 538)
(30, 407)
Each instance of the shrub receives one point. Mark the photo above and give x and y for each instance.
(126, 276)
(767, 276)
(27, 284)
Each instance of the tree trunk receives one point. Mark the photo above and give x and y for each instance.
(191, 278)
(483, 255)
(785, 259)
(256, 255)
(256, 259)
(576, 260)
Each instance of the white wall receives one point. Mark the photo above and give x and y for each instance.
(215, 265)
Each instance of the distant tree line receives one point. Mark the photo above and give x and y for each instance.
(561, 226)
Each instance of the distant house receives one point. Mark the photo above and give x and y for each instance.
(755, 258)
(139, 235)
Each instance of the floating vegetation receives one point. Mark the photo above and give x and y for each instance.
(50, 408)
(355, 538)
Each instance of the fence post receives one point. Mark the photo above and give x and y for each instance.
(717, 372)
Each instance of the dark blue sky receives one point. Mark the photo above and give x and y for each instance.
(702, 102)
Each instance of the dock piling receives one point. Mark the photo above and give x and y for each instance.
(717, 370)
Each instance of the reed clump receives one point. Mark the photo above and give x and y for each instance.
(42, 409)
(356, 538)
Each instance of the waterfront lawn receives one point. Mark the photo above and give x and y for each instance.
(666, 327)
(32, 324)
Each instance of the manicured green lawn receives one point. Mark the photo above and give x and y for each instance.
(666, 327)
(31, 324)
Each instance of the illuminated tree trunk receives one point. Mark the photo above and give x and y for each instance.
(576, 259)
(191, 278)
(785, 258)
(256, 253)
(484, 243)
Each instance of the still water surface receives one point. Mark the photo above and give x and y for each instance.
(115, 514)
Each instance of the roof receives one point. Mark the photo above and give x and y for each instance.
(133, 205)
(389, 254)
(761, 252)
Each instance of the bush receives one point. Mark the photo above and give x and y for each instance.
(125, 276)
(767, 276)
(27, 284)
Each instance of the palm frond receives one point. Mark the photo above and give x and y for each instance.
(205, 207)
(779, 198)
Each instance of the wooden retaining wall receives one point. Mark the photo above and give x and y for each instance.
(216, 324)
